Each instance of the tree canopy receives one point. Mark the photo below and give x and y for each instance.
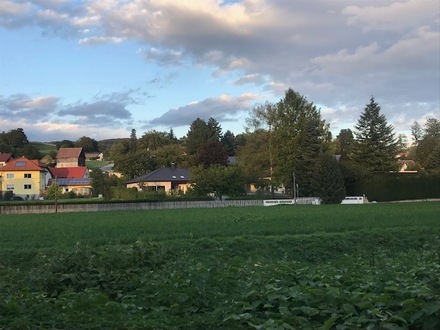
(375, 146)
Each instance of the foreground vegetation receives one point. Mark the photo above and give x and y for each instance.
(302, 267)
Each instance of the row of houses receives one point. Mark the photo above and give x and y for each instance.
(29, 178)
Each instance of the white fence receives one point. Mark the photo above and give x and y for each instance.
(298, 201)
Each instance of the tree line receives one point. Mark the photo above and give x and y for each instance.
(285, 144)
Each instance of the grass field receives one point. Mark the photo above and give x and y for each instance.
(44, 148)
(304, 267)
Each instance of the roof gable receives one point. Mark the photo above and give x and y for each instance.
(5, 157)
(70, 153)
(23, 164)
(164, 174)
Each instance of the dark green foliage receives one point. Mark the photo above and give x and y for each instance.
(31, 152)
(101, 183)
(396, 186)
(228, 141)
(254, 157)
(375, 146)
(154, 140)
(427, 149)
(65, 144)
(311, 152)
(13, 142)
(345, 141)
(329, 181)
(433, 161)
(201, 132)
(218, 180)
(212, 153)
(132, 144)
(88, 144)
(299, 139)
(303, 268)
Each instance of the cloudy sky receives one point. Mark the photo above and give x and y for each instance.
(98, 68)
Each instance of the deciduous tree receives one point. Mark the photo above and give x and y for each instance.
(88, 144)
(218, 180)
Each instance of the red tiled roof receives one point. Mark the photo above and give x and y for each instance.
(23, 164)
(68, 172)
(69, 153)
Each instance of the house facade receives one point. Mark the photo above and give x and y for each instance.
(71, 179)
(168, 179)
(23, 177)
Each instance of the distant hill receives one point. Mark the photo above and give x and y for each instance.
(106, 144)
(43, 147)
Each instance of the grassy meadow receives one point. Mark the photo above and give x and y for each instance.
(372, 266)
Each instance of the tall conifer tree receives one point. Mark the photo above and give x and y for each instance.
(375, 144)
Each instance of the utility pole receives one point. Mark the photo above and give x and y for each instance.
(56, 195)
(294, 188)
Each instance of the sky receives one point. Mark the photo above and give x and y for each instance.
(100, 68)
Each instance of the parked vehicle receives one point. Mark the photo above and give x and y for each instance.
(355, 200)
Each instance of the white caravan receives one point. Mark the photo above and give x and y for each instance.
(355, 200)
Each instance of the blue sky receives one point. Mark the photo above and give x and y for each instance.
(100, 68)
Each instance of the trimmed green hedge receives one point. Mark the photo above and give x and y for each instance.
(397, 186)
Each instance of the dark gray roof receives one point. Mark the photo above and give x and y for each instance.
(71, 181)
(168, 174)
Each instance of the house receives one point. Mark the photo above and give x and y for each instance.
(75, 179)
(168, 179)
(4, 158)
(25, 178)
(71, 157)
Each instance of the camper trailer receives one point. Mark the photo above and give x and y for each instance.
(355, 200)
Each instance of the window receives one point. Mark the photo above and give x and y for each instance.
(10, 176)
(20, 164)
(27, 186)
(10, 187)
(28, 175)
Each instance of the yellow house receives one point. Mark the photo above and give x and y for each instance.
(72, 179)
(25, 178)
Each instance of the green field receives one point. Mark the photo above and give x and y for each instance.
(370, 266)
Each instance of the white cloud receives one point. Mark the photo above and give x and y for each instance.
(223, 108)
(337, 53)
(393, 15)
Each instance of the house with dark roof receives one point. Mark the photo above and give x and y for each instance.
(71, 179)
(71, 157)
(23, 177)
(168, 179)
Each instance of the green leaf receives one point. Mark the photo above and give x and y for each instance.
(431, 307)
(330, 322)
(349, 308)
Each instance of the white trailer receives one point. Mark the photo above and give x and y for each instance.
(355, 200)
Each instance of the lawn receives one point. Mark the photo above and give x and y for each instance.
(290, 267)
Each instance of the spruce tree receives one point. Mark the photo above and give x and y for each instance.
(375, 144)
